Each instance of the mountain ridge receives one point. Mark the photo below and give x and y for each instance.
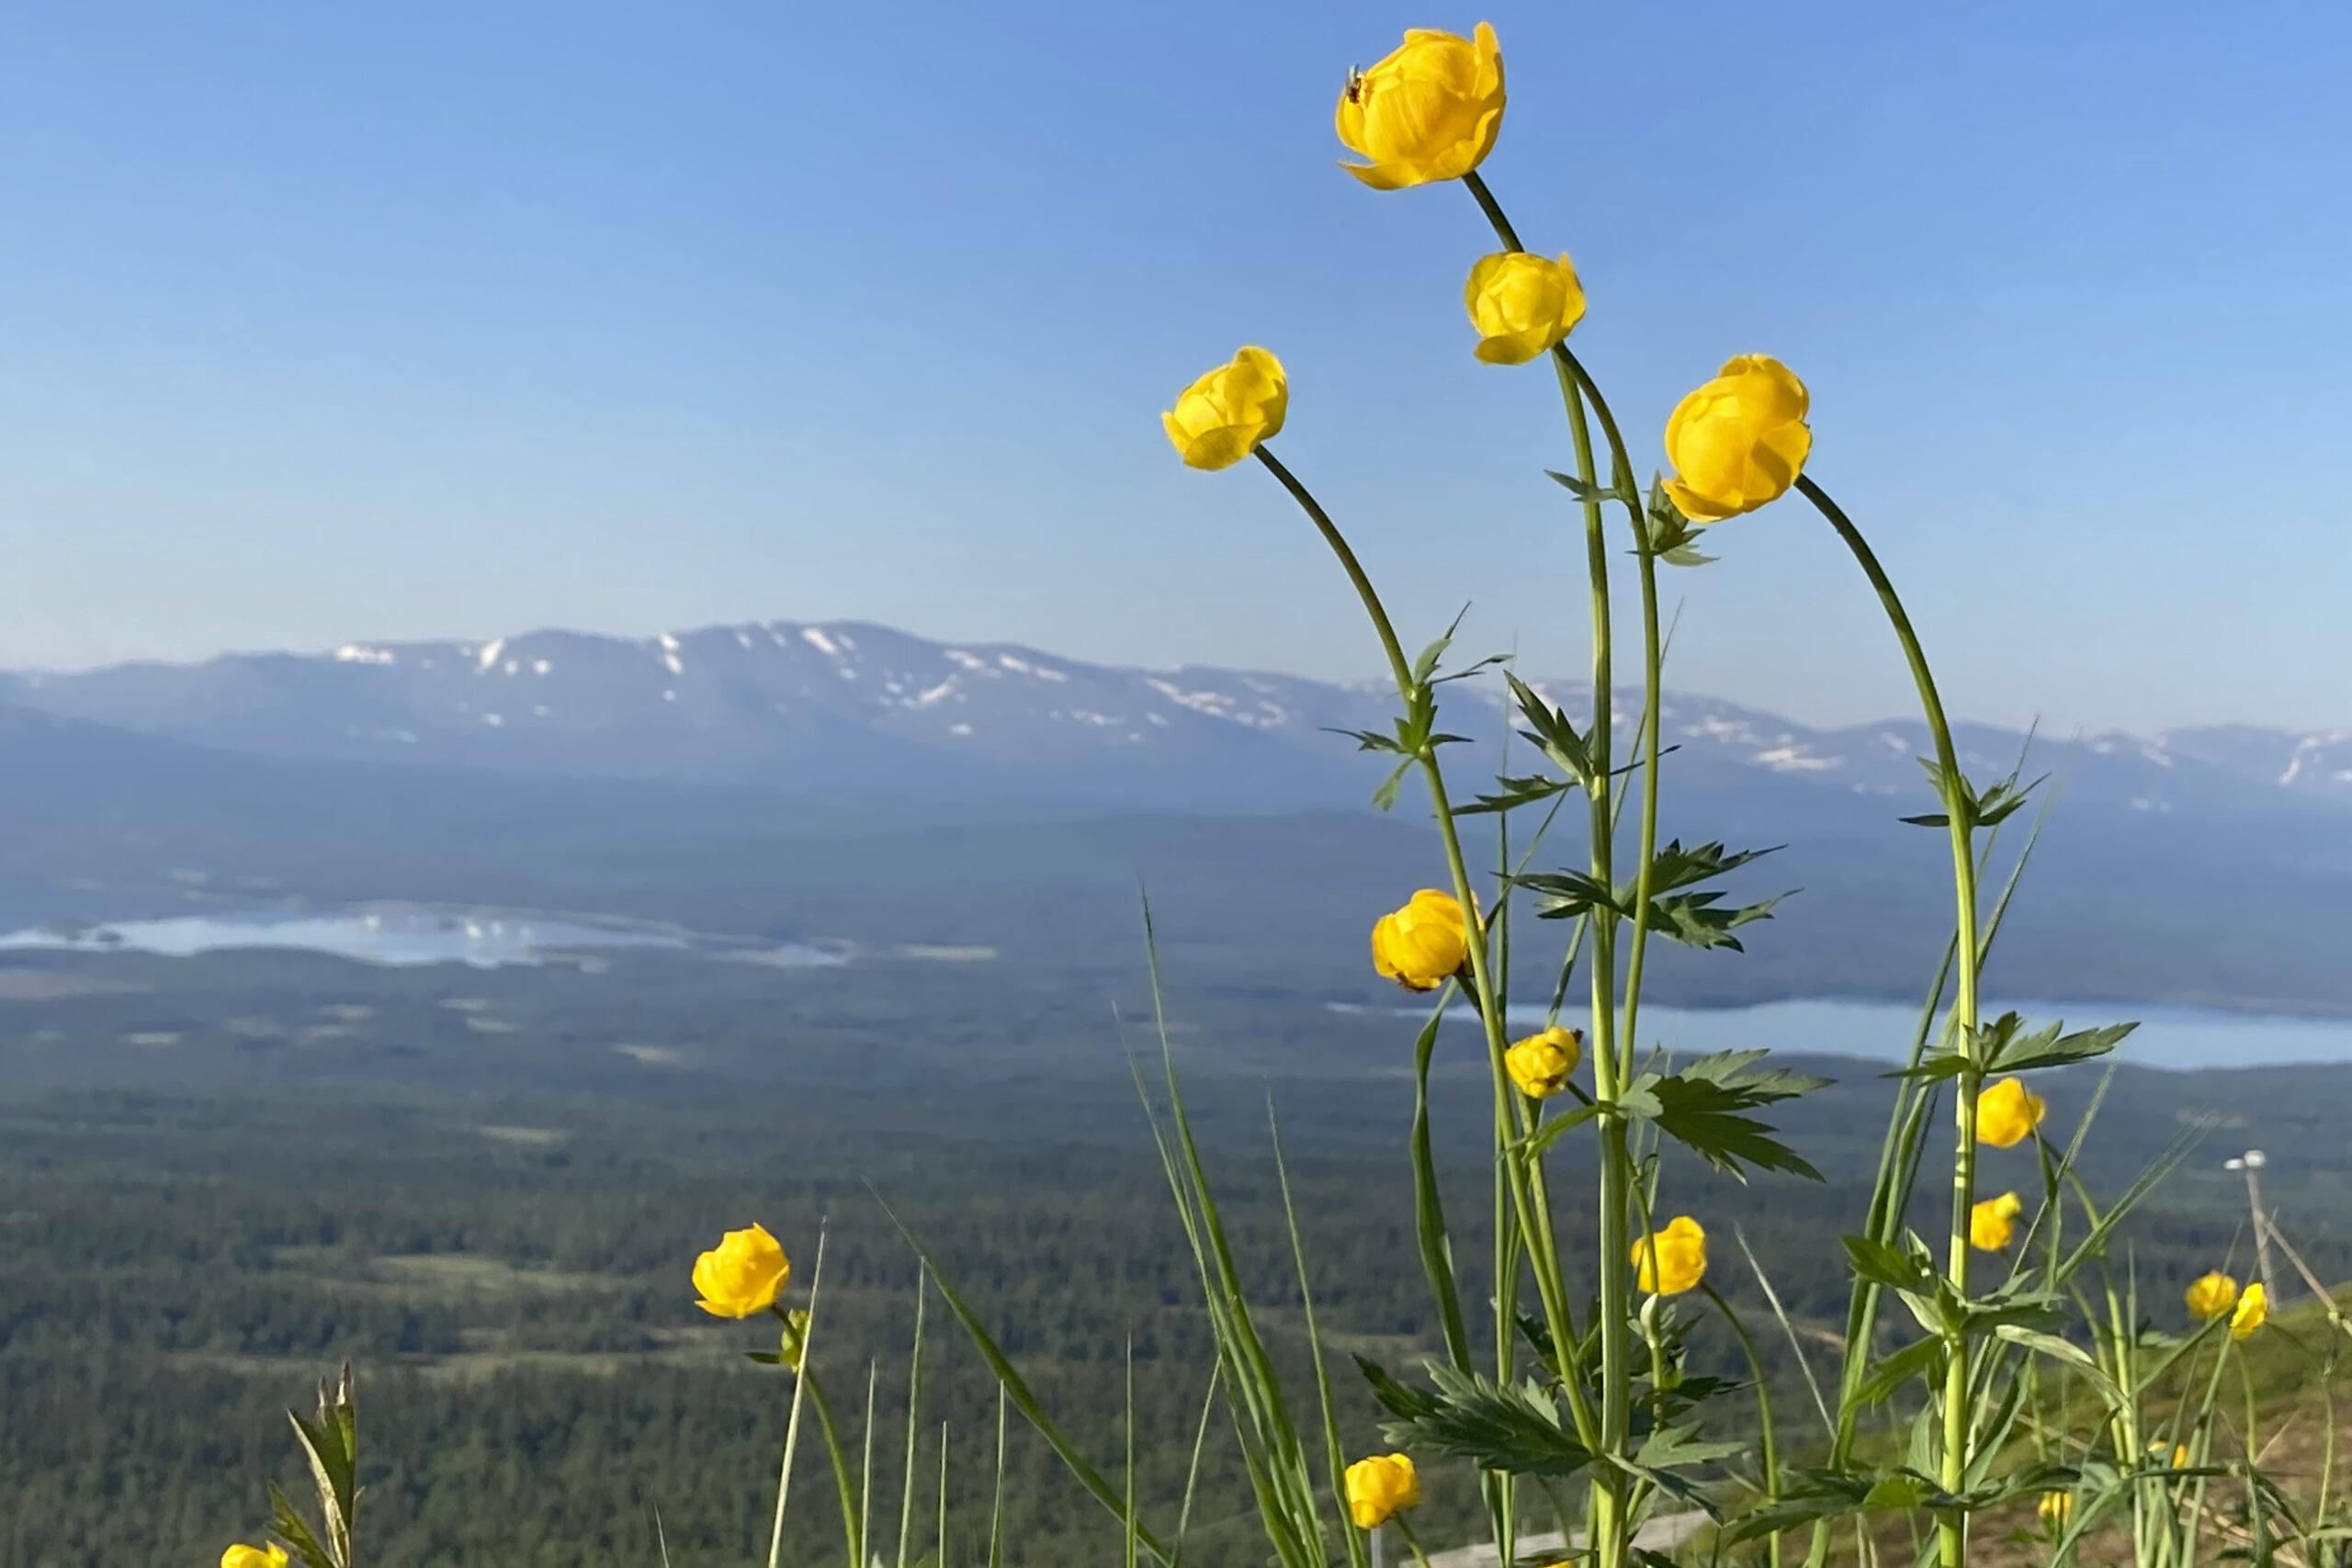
(845, 707)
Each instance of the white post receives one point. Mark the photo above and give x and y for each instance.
(2252, 1162)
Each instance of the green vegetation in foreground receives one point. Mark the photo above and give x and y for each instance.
(535, 1382)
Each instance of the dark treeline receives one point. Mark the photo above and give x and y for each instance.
(510, 1278)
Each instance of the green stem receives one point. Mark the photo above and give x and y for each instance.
(1952, 1529)
(1610, 1532)
(1550, 1286)
(1767, 1445)
(1652, 673)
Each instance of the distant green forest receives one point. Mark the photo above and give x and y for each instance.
(486, 1189)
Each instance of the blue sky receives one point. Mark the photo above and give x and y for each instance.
(327, 323)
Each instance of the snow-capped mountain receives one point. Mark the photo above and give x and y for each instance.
(848, 706)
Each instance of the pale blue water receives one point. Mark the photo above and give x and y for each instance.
(2174, 1038)
(374, 936)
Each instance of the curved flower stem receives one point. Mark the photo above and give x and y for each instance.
(1652, 673)
(1610, 1532)
(1533, 1218)
(1953, 1528)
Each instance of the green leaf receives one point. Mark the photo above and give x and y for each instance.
(1385, 796)
(1705, 1116)
(2048, 1048)
(1675, 866)
(1550, 733)
(1920, 1358)
(1515, 793)
(1368, 739)
(290, 1528)
(2073, 1356)
(1691, 918)
(1875, 1260)
(1556, 1127)
(1513, 1427)
(1564, 895)
(1616, 489)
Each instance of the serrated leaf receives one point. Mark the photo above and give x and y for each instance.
(1512, 1428)
(1706, 1117)
(1515, 793)
(2048, 1048)
(1550, 733)
(1385, 796)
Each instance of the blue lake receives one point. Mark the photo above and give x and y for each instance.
(2178, 1039)
(400, 936)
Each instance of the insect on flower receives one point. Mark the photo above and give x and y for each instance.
(1353, 90)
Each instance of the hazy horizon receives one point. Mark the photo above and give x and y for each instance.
(347, 325)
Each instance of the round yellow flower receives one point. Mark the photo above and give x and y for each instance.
(743, 1274)
(1540, 1065)
(1380, 1487)
(1992, 1221)
(2006, 1111)
(2253, 1312)
(2211, 1296)
(1422, 944)
(1429, 110)
(1739, 441)
(1220, 418)
(243, 1556)
(2054, 1508)
(1681, 1256)
(1521, 305)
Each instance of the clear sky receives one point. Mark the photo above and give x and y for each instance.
(323, 322)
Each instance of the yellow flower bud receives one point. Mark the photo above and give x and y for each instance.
(1380, 1487)
(1540, 1065)
(2179, 1453)
(1220, 419)
(2253, 1312)
(1521, 305)
(1739, 441)
(243, 1556)
(2006, 1111)
(1680, 1256)
(1992, 1221)
(1422, 944)
(1428, 111)
(743, 1274)
(2211, 1296)
(2054, 1508)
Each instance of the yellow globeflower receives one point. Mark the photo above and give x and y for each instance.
(2006, 1111)
(1429, 111)
(1380, 1487)
(243, 1556)
(1521, 305)
(1992, 1221)
(1739, 441)
(2253, 1312)
(743, 1274)
(1681, 1256)
(2054, 1508)
(1422, 944)
(1220, 419)
(2212, 1295)
(1540, 1065)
